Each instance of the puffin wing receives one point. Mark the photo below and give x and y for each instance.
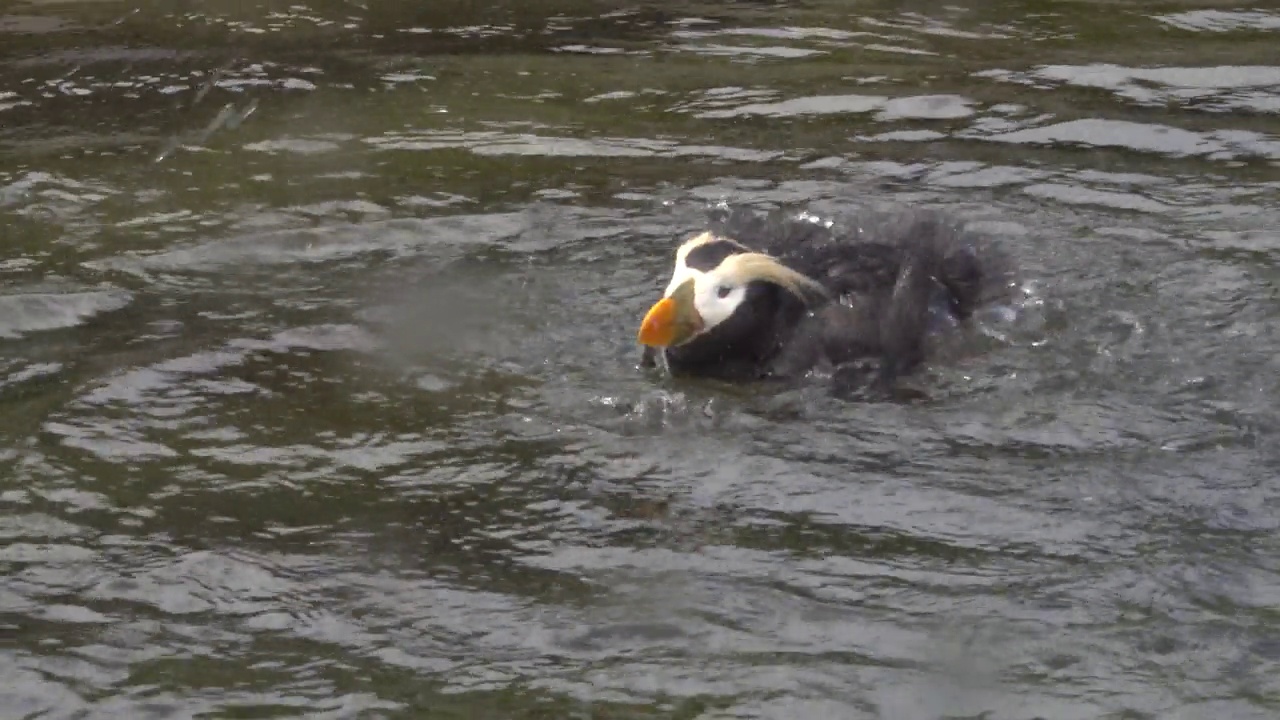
(891, 272)
(863, 252)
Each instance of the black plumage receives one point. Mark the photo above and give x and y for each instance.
(890, 278)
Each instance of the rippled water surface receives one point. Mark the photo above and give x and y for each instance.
(321, 398)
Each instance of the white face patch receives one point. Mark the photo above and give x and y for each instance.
(716, 295)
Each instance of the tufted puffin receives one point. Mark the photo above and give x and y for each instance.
(779, 296)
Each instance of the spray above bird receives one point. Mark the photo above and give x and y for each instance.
(778, 297)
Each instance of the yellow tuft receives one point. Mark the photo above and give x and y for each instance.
(758, 266)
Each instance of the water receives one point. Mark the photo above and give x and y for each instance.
(320, 393)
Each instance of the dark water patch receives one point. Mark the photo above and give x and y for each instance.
(322, 395)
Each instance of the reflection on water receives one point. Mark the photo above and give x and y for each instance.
(1228, 88)
(322, 400)
(30, 310)
(1223, 20)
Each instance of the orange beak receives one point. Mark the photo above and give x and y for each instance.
(671, 320)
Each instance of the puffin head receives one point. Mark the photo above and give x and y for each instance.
(721, 290)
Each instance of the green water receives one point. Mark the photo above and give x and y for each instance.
(319, 384)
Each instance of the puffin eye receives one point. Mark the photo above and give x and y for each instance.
(723, 291)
